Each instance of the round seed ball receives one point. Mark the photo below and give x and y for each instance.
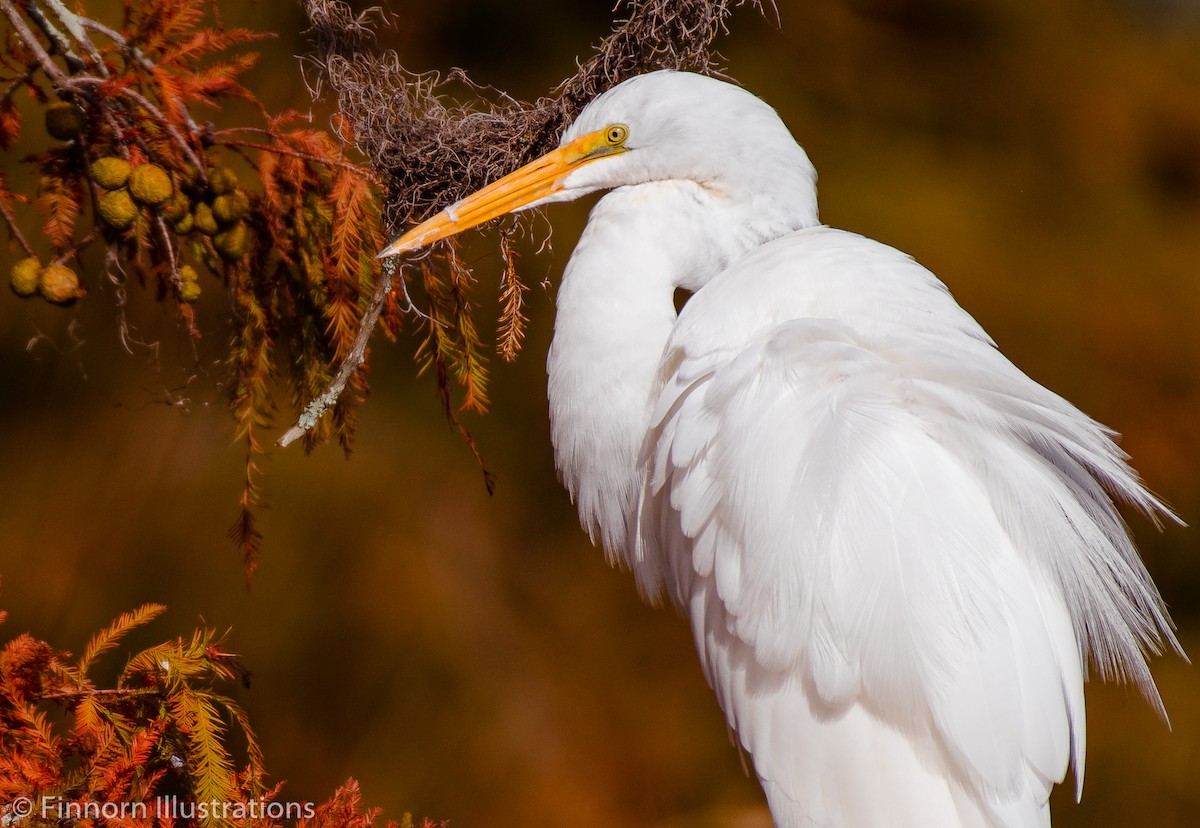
(60, 285)
(231, 206)
(221, 180)
(232, 244)
(189, 292)
(23, 278)
(117, 210)
(176, 208)
(203, 218)
(111, 172)
(64, 121)
(150, 185)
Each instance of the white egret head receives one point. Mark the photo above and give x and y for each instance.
(662, 126)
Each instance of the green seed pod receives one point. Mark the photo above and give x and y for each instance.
(117, 210)
(110, 172)
(230, 207)
(60, 285)
(189, 292)
(204, 220)
(176, 208)
(64, 121)
(185, 225)
(23, 278)
(221, 181)
(233, 243)
(150, 185)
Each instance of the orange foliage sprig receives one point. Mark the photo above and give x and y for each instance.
(286, 224)
(162, 727)
(160, 735)
(433, 151)
(278, 212)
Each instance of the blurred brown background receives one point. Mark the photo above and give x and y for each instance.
(473, 658)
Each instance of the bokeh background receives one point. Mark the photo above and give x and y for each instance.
(473, 658)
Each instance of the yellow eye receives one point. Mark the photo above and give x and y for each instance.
(616, 134)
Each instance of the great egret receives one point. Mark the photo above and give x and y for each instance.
(895, 549)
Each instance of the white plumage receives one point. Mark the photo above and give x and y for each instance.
(896, 550)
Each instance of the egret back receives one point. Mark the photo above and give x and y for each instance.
(894, 547)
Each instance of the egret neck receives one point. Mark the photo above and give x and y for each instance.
(615, 313)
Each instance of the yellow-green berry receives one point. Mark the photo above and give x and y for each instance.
(149, 184)
(64, 121)
(232, 244)
(117, 210)
(176, 208)
(230, 207)
(189, 292)
(185, 224)
(23, 278)
(60, 285)
(189, 284)
(110, 172)
(203, 218)
(221, 180)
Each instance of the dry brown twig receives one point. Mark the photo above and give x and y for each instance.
(434, 153)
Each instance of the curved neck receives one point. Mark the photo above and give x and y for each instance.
(615, 312)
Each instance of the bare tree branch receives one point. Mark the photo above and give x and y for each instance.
(352, 362)
(56, 75)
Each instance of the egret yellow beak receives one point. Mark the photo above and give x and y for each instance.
(535, 180)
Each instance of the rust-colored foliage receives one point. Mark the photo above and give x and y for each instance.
(161, 728)
(432, 153)
(275, 213)
(158, 737)
(284, 222)
(345, 810)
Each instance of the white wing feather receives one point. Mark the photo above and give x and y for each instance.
(894, 547)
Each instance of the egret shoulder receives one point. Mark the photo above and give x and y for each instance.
(822, 273)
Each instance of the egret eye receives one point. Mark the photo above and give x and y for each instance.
(616, 134)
